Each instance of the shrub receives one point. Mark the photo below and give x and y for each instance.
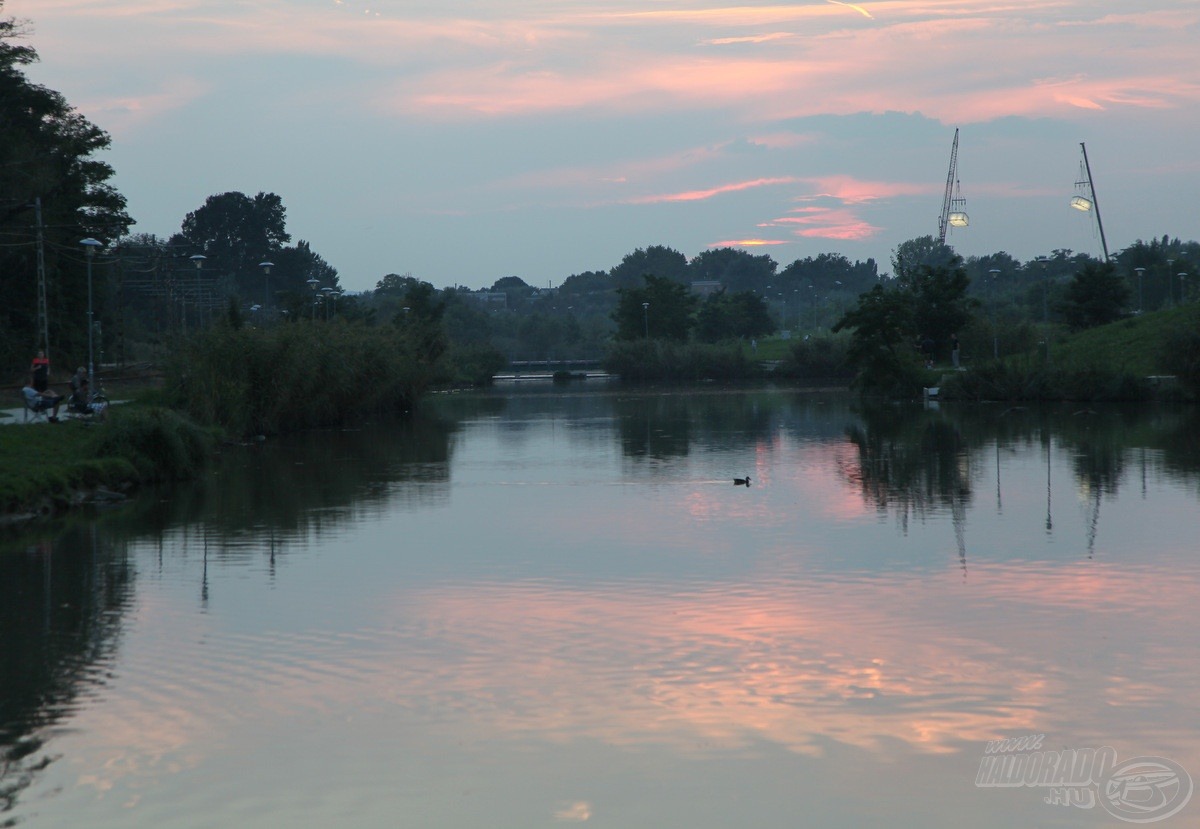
(818, 358)
(297, 376)
(159, 444)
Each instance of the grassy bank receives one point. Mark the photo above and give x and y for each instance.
(1108, 363)
(45, 467)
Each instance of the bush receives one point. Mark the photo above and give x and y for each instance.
(473, 364)
(159, 444)
(297, 376)
(818, 358)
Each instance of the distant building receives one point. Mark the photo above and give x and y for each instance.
(706, 287)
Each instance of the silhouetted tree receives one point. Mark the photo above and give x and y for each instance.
(669, 315)
(1095, 296)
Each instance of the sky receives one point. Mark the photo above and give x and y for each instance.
(466, 140)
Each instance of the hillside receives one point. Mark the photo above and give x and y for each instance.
(1134, 346)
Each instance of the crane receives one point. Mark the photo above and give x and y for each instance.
(1085, 196)
(953, 202)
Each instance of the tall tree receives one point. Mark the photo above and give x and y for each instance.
(729, 316)
(881, 341)
(911, 255)
(47, 158)
(236, 232)
(736, 270)
(1095, 296)
(938, 297)
(661, 309)
(655, 260)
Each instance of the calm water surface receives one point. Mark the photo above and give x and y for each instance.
(540, 607)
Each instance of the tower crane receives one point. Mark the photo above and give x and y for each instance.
(953, 203)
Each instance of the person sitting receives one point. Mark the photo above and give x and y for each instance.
(40, 401)
(80, 387)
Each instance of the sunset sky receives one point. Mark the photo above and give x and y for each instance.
(465, 141)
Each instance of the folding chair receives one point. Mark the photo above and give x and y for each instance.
(33, 414)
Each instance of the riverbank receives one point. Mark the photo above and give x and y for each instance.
(48, 468)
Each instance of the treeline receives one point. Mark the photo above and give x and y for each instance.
(234, 262)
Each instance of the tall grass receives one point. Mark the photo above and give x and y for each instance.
(298, 376)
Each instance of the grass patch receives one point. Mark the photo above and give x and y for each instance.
(43, 465)
(1136, 346)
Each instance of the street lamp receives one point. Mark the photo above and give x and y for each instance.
(89, 247)
(313, 282)
(266, 265)
(646, 318)
(992, 307)
(327, 291)
(1182, 277)
(1140, 272)
(198, 261)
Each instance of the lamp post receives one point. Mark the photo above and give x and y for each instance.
(313, 282)
(1182, 280)
(1170, 290)
(646, 318)
(1045, 305)
(1140, 272)
(198, 261)
(89, 247)
(327, 291)
(266, 266)
(994, 272)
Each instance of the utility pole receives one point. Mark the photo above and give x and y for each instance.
(43, 317)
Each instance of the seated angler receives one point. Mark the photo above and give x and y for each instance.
(41, 401)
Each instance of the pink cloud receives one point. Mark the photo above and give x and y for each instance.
(699, 195)
(829, 223)
(851, 190)
(726, 41)
(747, 243)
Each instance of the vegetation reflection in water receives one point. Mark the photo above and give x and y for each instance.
(686, 622)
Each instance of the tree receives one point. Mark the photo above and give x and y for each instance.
(939, 302)
(295, 266)
(729, 316)
(909, 256)
(881, 349)
(667, 313)
(505, 282)
(424, 336)
(736, 270)
(1095, 296)
(237, 232)
(655, 260)
(47, 158)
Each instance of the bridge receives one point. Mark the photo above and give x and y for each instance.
(552, 365)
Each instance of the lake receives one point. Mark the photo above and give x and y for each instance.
(549, 605)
